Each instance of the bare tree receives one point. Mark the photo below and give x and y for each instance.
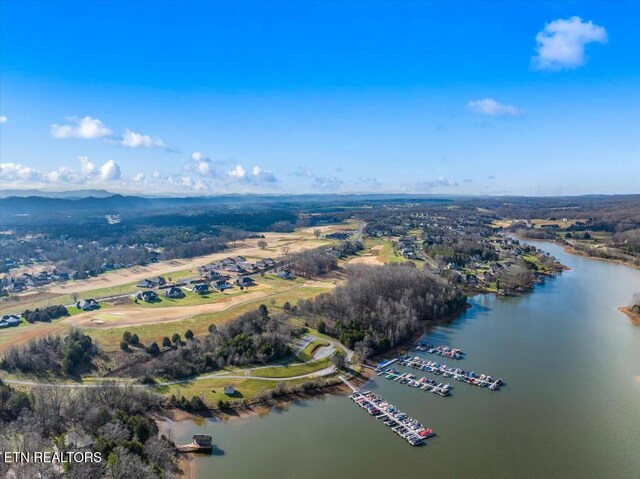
(317, 233)
(262, 244)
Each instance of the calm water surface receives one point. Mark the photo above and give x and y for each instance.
(570, 409)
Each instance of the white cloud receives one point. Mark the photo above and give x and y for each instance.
(18, 172)
(88, 168)
(238, 172)
(110, 171)
(263, 176)
(201, 164)
(139, 178)
(131, 139)
(86, 127)
(489, 106)
(3, 119)
(562, 42)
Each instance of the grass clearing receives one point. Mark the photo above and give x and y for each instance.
(307, 353)
(291, 370)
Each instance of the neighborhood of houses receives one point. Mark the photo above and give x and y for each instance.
(219, 276)
(465, 249)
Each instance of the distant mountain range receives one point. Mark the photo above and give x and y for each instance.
(75, 194)
(35, 202)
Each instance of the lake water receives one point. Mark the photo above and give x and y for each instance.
(570, 409)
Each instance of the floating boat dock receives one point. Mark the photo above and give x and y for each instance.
(459, 374)
(444, 351)
(423, 383)
(409, 429)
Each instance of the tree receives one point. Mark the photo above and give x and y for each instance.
(188, 334)
(317, 233)
(124, 345)
(153, 349)
(134, 339)
(264, 312)
(126, 336)
(339, 359)
(176, 338)
(166, 342)
(262, 244)
(286, 306)
(322, 327)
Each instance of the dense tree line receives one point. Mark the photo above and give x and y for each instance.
(45, 314)
(114, 420)
(378, 307)
(311, 263)
(54, 355)
(517, 276)
(253, 337)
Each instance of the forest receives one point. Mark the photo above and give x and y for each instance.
(114, 420)
(378, 307)
(253, 337)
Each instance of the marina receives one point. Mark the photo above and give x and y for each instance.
(424, 383)
(459, 374)
(444, 351)
(409, 429)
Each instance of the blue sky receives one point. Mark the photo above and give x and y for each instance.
(530, 98)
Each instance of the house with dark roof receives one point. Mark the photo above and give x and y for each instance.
(201, 288)
(245, 281)
(8, 320)
(286, 274)
(147, 296)
(87, 304)
(222, 284)
(174, 293)
(145, 283)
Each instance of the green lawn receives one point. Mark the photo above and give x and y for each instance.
(289, 370)
(307, 353)
(211, 390)
(199, 324)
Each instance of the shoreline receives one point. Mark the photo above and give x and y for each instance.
(571, 250)
(633, 317)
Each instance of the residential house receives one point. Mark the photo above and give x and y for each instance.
(221, 285)
(174, 293)
(245, 281)
(9, 320)
(87, 304)
(286, 274)
(147, 296)
(201, 288)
